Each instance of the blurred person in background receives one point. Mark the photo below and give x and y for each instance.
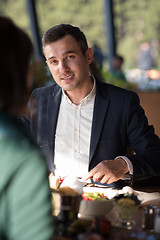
(25, 206)
(117, 71)
(145, 57)
(98, 56)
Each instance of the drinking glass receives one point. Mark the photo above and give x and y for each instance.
(126, 208)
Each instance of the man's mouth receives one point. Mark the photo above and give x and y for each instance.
(66, 77)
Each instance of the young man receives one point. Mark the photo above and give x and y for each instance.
(84, 125)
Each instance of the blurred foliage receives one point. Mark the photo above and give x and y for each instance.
(87, 14)
(108, 77)
(135, 21)
(41, 73)
(17, 11)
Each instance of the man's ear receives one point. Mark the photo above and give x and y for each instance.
(89, 55)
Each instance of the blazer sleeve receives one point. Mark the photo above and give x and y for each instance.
(145, 143)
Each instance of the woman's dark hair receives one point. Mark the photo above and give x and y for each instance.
(16, 50)
(59, 31)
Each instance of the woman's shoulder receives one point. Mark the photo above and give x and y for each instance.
(15, 137)
(17, 149)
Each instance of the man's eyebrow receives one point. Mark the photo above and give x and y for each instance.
(65, 53)
(69, 51)
(50, 58)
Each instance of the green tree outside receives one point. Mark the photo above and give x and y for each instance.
(135, 21)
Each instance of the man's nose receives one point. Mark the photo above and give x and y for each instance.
(63, 66)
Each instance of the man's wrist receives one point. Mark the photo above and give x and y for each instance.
(129, 164)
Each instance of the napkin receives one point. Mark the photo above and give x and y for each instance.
(149, 198)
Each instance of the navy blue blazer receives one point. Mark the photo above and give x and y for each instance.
(119, 122)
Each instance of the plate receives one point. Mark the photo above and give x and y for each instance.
(109, 192)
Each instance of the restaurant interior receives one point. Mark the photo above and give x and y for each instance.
(89, 211)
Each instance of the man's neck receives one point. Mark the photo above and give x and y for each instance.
(77, 95)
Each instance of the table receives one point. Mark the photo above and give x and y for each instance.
(137, 233)
(121, 234)
(117, 233)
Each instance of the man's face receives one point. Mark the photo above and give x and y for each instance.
(68, 66)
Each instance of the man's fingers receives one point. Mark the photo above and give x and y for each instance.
(96, 173)
(111, 180)
(98, 176)
(107, 171)
(108, 179)
(88, 175)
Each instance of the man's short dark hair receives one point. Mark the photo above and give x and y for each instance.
(59, 31)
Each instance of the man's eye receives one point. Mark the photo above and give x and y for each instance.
(70, 57)
(53, 62)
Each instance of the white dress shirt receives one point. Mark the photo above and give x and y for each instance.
(72, 138)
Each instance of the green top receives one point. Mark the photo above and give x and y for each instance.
(25, 206)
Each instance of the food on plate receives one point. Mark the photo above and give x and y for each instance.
(73, 183)
(89, 184)
(68, 186)
(94, 204)
(106, 191)
(93, 196)
(54, 181)
(127, 190)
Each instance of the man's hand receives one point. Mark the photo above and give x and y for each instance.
(108, 171)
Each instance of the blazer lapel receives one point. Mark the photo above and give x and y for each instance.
(52, 113)
(100, 111)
